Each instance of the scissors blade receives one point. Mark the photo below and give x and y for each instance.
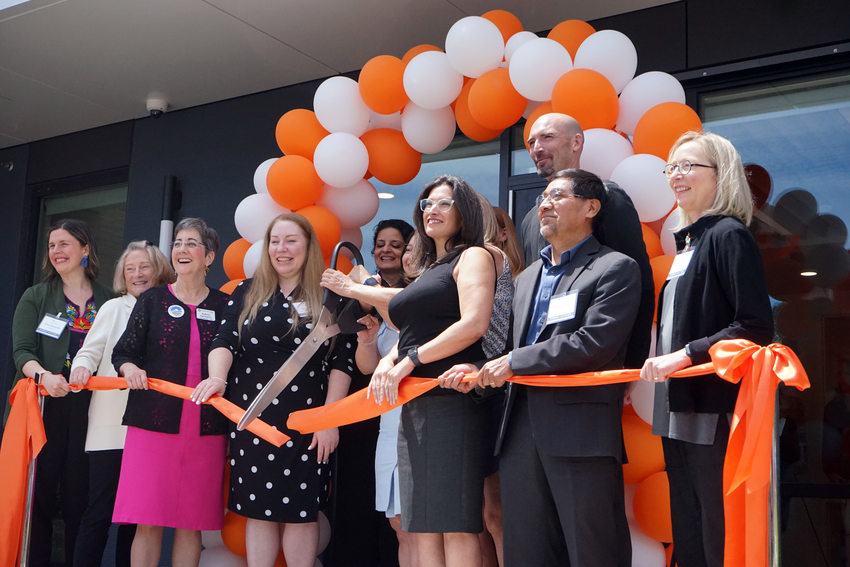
(325, 328)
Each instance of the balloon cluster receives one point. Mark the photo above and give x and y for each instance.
(491, 74)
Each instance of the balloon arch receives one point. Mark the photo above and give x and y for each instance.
(491, 74)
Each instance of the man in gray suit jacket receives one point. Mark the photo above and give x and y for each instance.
(562, 448)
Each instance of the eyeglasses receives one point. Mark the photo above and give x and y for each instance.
(190, 244)
(555, 196)
(443, 205)
(684, 167)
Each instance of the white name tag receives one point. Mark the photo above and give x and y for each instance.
(680, 264)
(205, 314)
(562, 307)
(300, 308)
(52, 326)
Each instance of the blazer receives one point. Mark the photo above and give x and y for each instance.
(35, 303)
(582, 421)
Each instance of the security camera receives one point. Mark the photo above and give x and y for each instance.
(157, 105)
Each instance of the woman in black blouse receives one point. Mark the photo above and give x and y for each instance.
(716, 290)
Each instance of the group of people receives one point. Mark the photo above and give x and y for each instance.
(534, 471)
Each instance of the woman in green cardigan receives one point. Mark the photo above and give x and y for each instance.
(48, 328)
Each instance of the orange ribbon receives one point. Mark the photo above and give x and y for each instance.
(746, 470)
(23, 438)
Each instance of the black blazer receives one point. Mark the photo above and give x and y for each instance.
(577, 421)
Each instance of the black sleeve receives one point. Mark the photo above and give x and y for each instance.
(132, 344)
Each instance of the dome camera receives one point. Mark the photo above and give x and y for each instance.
(157, 105)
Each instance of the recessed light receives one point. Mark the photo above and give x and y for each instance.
(386, 196)
(808, 274)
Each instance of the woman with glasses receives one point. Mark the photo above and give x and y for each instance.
(715, 290)
(441, 317)
(172, 471)
(139, 268)
(49, 325)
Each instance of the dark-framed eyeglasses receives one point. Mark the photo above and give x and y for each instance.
(684, 167)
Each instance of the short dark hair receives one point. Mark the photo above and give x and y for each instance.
(82, 232)
(471, 230)
(404, 228)
(586, 185)
(209, 237)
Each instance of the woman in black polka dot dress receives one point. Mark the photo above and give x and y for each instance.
(279, 490)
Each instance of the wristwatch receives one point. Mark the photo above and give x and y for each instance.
(688, 351)
(413, 355)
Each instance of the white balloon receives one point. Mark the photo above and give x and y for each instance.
(211, 538)
(515, 41)
(646, 552)
(354, 206)
(642, 93)
(221, 557)
(430, 81)
(643, 396)
(260, 175)
(629, 496)
(603, 150)
(642, 177)
(531, 107)
(474, 45)
(252, 259)
(611, 53)
(537, 65)
(341, 159)
(428, 131)
(668, 241)
(339, 106)
(384, 120)
(253, 215)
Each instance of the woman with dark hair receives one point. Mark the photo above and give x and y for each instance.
(139, 268)
(716, 290)
(279, 490)
(441, 318)
(172, 470)
(68, 298)
(388, 244)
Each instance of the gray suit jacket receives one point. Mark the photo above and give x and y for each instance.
(582, 421)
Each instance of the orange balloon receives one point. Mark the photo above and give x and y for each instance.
(280, 561)
(587, 96)
(660, 268)
(652, 507)
(544, 108)
(233, 257)
(325, 225)
(233, 533)
(467, 124)
(391, 159)
(416, 50)
(293, 182)
(642, 448)
(343, 264)
(381, 86)
(668, 551)
(507, 23)
(570, 34)
(230, 286)
(494, 102)
(652, 241)
(298, 132)
(661, 126)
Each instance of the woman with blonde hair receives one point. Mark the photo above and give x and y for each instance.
(279, 490)
(715, 291)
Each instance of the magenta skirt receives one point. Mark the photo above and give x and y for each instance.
(173, 480)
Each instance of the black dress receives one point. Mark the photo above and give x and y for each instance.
(284, 484)
(442, 440)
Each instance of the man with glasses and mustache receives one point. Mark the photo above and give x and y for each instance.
(561, 449)
(555, 143)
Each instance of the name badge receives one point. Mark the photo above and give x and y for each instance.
(300, 308)
(52, 326)
(205, 314)
(680, 264)
(562, 307)
(176, 311)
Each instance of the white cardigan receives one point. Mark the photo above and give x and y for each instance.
(106, 410)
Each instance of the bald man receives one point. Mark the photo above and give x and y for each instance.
(555, 143)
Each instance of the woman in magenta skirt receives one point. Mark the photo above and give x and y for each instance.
(172, 472)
